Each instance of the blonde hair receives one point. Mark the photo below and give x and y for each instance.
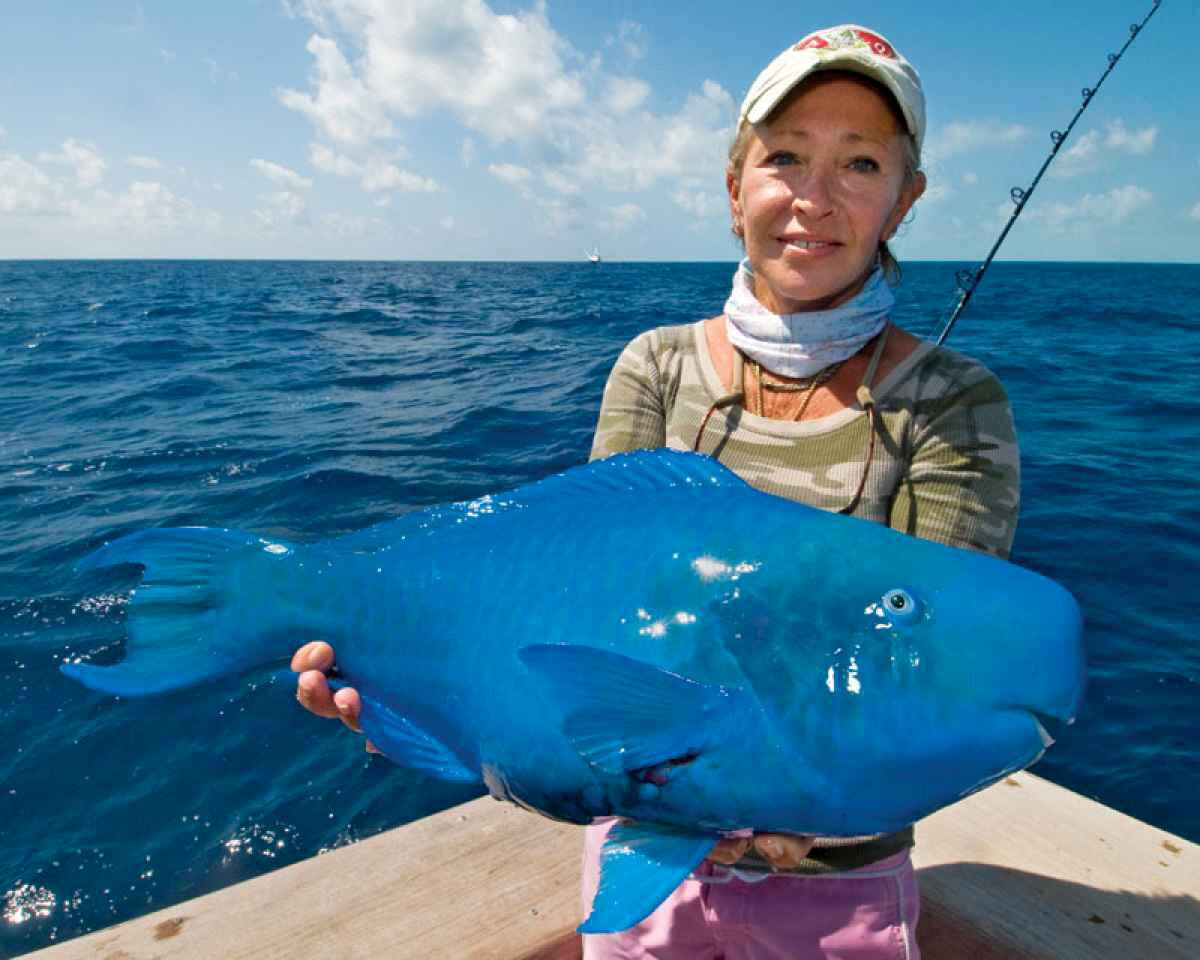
(912, 156)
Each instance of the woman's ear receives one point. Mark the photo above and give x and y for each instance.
(909, 194)
(733, 188)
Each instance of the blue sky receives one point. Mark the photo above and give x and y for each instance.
(481, 129)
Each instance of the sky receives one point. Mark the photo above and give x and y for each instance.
(491, 130)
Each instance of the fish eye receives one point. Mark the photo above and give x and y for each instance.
(901, 606)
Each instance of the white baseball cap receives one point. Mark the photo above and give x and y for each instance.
(847, 47)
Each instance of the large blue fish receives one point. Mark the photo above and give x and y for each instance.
(647, 637)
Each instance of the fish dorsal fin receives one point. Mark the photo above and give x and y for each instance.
(623, 474)
(640, 864)
(622, 714)
(639, 471)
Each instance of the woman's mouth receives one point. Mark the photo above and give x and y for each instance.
(807, 245)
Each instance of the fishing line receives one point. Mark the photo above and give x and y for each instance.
(968, 280)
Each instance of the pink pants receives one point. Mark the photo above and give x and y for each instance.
(864, 914)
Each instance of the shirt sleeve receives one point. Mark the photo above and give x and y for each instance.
(632, 413)
(962, 486)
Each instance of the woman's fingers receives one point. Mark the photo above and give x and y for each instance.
(312, 690)
(347, 703)
(729, 850)
(312, 661)
(317, 655)
(784, 851)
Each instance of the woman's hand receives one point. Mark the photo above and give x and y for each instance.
(312, 661)
(783, 851)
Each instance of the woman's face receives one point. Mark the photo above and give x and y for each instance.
(822, 184)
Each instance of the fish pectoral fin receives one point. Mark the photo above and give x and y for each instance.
(622, 714)
(405, 743)
(640, 864)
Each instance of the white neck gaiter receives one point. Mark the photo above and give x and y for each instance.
(803, 344)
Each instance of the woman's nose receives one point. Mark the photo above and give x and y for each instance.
(813, 195)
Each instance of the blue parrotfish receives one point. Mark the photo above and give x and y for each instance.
(646, 637)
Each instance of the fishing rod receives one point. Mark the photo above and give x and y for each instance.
(968, 280)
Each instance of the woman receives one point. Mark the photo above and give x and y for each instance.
(804, 387)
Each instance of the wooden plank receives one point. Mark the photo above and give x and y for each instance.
(1024, 869)
(1028, 869)
(484, 880)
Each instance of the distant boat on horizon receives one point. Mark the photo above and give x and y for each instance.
(594, 256)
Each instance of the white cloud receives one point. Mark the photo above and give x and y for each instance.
(559, 182)
(631, 37)
(379, 175)
(625, 94)
(499, 74)
(374, 173)
(1138, 143)
(701, 204)
(510, 173)
(634, 152)
(145, 207)
(343, 107)
(1086, 154)
(327, 160)
(624, 216)
(281, 175)
(1114, 206)
(25, 188)
(509, 78)
(148, 203)
(559, 216)
(963, 137)
(3, 133)
(1195, 212)
(1080, 157)
(167, 56)
(936, 192)
(970, 178)
(88, 164)
(348, 225)
(282, 209)
(143, 162)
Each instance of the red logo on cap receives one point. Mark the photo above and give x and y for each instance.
(874, 42)
(878, 45)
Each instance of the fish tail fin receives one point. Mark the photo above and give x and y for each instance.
(189, 619)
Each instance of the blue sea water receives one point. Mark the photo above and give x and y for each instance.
(306, 400)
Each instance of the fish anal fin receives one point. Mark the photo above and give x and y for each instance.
(404, 742)
(640, 864)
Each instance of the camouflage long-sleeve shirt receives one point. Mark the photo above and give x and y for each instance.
(945, 465)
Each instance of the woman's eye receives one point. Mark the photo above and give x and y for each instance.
(781, 158)
(863, 165)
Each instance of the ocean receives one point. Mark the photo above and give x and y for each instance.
(305, 400)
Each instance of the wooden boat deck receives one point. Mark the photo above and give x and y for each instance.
(1024, 869)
